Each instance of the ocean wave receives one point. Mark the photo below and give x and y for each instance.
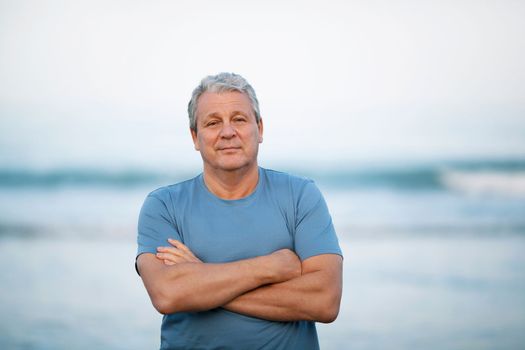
(80, 177)
(61, 230)
(472, 177)
(485, 182)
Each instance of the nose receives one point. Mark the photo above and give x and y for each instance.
(227, 131)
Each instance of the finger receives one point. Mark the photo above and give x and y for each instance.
(188, 256)
(171, 250)
(179, 245)
(170, 257)
(169, 263)
(178, 257)
(182, 250)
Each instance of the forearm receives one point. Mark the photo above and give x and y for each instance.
(312, 296)
(186, 285)
(198, 286)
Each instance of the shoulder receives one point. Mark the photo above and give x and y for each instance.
(281, 177)
(174, 192)
(287, 182)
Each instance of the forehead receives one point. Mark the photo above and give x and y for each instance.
(211, 102)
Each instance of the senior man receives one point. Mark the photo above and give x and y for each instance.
(239, 257)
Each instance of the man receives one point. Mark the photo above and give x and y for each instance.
(239, 257)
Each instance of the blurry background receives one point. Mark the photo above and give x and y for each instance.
(410, 116)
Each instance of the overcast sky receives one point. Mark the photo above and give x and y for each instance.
(106, 83)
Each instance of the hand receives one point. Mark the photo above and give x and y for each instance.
(176, 254)
(286, 264)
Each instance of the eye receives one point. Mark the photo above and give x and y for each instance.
(239, 119)
(212, 123)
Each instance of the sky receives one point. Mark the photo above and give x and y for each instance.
(106, 83)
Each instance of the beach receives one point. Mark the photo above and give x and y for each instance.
(425, 265)
(433, 293)
(408, 115)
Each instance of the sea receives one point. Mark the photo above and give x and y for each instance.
(434, 255)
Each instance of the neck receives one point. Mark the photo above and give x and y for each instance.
(235, 184)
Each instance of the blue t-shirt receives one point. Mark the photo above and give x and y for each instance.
(284, 211)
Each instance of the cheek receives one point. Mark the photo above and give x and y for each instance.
(205, 141)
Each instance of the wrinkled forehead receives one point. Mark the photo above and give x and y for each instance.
(223, 103)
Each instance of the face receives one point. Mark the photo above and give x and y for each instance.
(227, 134)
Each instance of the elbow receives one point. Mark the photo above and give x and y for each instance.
(328, 315)
(329, 310)
(165, 303)
(170, 301)
(162, 306)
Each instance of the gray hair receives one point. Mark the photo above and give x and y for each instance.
(222, 82)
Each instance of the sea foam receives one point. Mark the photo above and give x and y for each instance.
(486, 182)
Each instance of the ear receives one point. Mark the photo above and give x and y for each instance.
(195, 140)
(261, 129)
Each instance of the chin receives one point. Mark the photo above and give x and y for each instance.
(233, 165)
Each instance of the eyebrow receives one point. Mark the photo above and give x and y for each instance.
(238, 112)
(233, 113)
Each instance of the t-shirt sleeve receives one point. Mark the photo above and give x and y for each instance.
(314, 230)
(155, 226)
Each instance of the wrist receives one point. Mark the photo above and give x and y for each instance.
(262, 265)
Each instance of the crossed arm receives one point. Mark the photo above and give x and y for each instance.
(277, 286)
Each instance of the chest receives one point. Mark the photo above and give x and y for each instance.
(232, 233)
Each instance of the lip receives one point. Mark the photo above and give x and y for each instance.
(228, 148)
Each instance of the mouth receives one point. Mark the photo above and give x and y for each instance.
(226, 149)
